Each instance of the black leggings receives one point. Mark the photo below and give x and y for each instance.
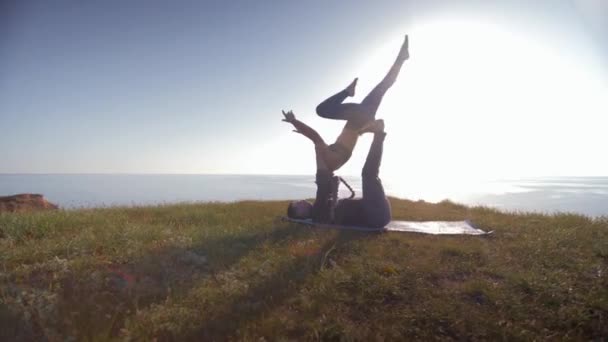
(359, 113)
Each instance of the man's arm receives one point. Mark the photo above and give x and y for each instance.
(302, 128)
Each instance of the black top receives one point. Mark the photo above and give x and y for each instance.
(350, 212)
(328, 209)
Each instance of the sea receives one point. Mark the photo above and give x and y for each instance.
(581, 195)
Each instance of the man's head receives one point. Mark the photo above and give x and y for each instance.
(299, 210)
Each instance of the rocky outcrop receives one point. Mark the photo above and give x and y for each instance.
(25, 203)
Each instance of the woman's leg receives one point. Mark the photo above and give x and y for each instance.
(373, 99)
(333, 108)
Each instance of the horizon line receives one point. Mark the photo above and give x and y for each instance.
(253, 174)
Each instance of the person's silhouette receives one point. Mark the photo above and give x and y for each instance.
(359, 116)
(371, 210)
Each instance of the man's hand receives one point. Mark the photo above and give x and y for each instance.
(289, 116)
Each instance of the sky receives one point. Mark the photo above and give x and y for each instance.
(492, 89)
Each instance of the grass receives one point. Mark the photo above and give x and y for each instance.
(231, 271)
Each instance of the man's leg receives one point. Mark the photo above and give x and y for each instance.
(333, 108)
(376, 205)
(373, 99)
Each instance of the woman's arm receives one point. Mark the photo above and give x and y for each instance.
(302, 128)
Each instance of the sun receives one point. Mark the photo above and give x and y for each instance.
(480, 100)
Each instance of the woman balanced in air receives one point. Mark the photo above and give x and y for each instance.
(359, 117)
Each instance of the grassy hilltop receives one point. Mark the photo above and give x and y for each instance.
(223, 271)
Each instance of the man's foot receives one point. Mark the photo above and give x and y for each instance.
(376, 126)
(404, 53)
(350, 90)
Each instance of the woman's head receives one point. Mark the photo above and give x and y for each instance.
(299, 210)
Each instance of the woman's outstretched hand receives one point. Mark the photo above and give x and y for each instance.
(289, 116)
(302, 128)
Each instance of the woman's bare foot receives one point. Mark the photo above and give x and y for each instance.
(404, 53)
(350, 90)
(375, 126)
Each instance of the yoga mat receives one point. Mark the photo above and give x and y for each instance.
(423, 227)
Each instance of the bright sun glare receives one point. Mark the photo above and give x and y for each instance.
(476, 100)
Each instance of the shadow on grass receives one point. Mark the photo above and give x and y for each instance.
(11, 326)
(94, 302)
(99, 305)
(263, 298)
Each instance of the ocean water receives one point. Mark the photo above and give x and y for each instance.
(584, 195)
